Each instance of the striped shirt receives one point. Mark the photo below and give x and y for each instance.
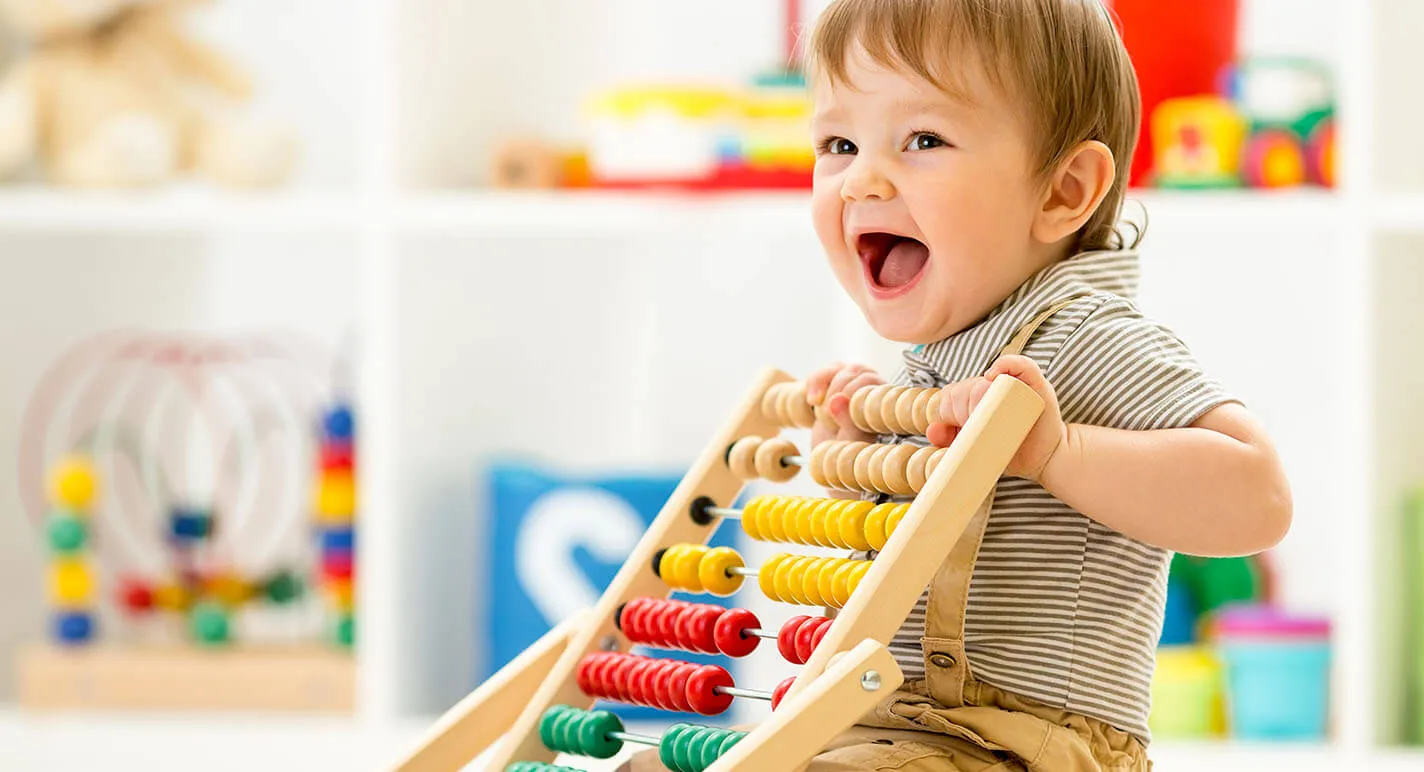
(1061, 609)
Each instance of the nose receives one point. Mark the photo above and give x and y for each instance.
(865, 180)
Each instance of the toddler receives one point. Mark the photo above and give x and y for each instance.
(972, 161)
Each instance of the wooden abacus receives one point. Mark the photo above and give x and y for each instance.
(539, 704)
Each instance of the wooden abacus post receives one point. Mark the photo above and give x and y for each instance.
(477, 721)
(709, 477)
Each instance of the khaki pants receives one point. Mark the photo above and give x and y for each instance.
(992, 732)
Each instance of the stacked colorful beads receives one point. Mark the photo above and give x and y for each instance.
(810, 581)
(335, 509)
(699, 568)
(655, 683)
(843, 523)
(72, 490)
(599, 734)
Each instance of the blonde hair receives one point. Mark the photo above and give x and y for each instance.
(1062, 59)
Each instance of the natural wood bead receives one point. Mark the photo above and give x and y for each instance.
(931, 412)
(824, 417)
(935, 458)
(905, 410)
(857, 409)
(919, 411)
(742, 458)
(830, 463)
(818, 464)
(886, 412)
(863, 462)
(878, 467)
(771, 404)
(846, 464)
(797, 408)
(915, 469)
(897, 462)
(874, 404)
(769, 465)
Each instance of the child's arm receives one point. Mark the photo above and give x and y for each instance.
(1214, 488)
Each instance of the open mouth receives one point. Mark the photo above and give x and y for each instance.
(893, 263)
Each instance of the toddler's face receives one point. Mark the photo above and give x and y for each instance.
(923, 202)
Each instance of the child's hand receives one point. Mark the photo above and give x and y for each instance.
(1047, 435)
(831, 387)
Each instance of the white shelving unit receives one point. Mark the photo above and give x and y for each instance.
(595, 330)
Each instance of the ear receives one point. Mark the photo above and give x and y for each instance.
(1076, 189)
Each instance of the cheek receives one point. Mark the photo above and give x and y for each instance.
(826, 216)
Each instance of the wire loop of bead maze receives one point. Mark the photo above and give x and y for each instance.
(539, 704)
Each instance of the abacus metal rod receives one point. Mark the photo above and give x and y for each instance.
(741, 571)
(760, 633)
(628, 737)
(751, 694)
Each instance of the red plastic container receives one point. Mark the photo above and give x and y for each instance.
(1179, 48)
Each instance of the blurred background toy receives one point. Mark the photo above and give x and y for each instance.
(117, 93)
(201, 486)
(1198, 143)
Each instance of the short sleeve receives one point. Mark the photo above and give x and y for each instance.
(1119, 369)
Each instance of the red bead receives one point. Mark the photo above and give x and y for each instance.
(663, 695)
(662, 624)
(702, 690)
(629, 621)
(677, 686)
(802, 639)
(633, 683)
(786, 639)
(337, 565)
(702, 629)
(821, 630)
(135, 595)
(337, 455)
(779, 694)
(731, 632)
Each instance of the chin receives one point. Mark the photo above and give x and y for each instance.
(906, 331)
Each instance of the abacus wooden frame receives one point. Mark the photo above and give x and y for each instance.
(854, 644)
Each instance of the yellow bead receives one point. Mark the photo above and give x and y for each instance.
(892, 521)
(766, 576)
(797, 521)
(71, 583)
(172, 597)
(826, 584)
(684, 567)
(841, 584)
(229, 589)
(335, 500)
(341, 592)
(818, 583)
(73, 483)
(751, 517)
(820, 513)
(852, 525)
(786, 579)
(875, 526)
(773, 526)
(862, 567)
(801, 576)
(712, 573)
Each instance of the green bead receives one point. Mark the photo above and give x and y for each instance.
(346, 630)
(697, 748)
(593, 734)
(566, 732)
(209, 623)
(67, 533)
(283, 587)
(673, 739)
(547, 724)
(711, 750)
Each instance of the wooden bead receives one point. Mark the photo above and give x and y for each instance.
(830, 463)
(874, 402)
(768, 460)
(905, 410)
(861, 468)
(742, 458)
(915, 470)
(797, 408)
(846, 463)
(877, 468)
(889, 409)
(919, 410)
(824, 417)
(931, 412)
(935, 458)
(897, 461)
(771, 404)
(857, 409)
(818, 464)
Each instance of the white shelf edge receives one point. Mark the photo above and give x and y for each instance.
(176, 208)
(1399, 212)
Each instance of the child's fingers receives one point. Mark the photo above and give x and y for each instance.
(941, 434)
(842, 377)
(839, 405)
(819, 381)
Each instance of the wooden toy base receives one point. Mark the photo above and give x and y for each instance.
(296, 679)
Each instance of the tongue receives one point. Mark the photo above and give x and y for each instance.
(904, 262)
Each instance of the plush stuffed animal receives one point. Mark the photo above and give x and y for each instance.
(114, 93)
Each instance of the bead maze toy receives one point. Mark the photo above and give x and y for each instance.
(184, 495)
(541, 703)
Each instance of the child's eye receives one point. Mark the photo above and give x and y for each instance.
(835, 146)
(926, 140)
